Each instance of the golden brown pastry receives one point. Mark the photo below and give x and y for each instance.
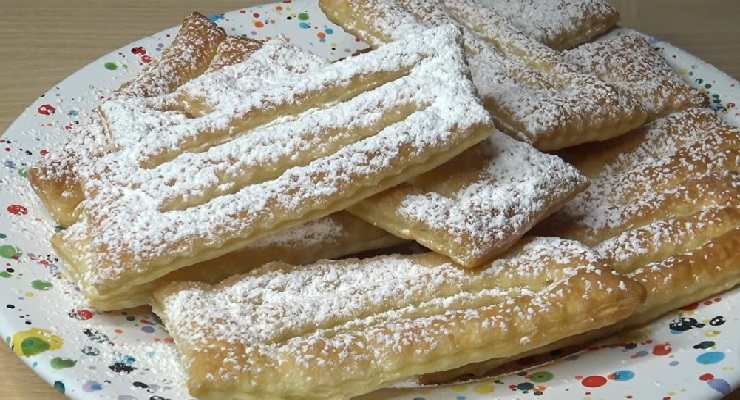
(336, 329)
(560, 24)
(253, 149)
(532, 94)
(188, 56)
(626, 59)
(479, 204)
(334, 236)
(198, 45)
(663, 208)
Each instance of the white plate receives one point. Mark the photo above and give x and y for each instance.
(121, 356)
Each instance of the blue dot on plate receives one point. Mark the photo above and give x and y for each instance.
(711, 357)
(147, 328)
(304, 25)
(720, 385)
(623, 375)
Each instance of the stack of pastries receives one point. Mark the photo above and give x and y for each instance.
(563, 181)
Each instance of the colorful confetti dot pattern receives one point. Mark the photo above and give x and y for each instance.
(693, 353)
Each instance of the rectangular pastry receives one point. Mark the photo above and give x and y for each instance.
(626, 59)
(530, 91)
(199, 45)
(477, 205)
(560, 24)
(250, 150)
(333, 236)
(188, 56)
(662, 209)
(336, 329)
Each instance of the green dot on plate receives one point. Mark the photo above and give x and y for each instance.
(41, 285)
(33, 345)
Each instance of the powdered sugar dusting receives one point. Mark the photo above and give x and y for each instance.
(314, 232)
(124, 226)
(557, 22)
(674, 149)
(532, 93)
(625, 58)
(358, 311)
(514, 188)
(190, 54)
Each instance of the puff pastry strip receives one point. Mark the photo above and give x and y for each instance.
(335, 329)
(626, 59)
(663, 208)
(182, 189)
(334, 236)
(57, 177)
(479, 204)
(188, 56)
(560, 24)
(531, 92)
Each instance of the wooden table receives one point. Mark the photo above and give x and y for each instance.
(43, 41)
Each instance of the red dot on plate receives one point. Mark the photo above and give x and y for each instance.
(594, 381)
(17, 209)
(46, 109)
(706, 377)
(662, 349)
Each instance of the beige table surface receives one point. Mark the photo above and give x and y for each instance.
(43, 41)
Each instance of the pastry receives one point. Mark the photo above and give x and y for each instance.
(336, 329)
(532, 94)
(334, 236)
(626, 59)
(257, 153)
(560, 24)
(662, 209)
(477, 205)
(233, 50)
(198, 46)
(188, 56)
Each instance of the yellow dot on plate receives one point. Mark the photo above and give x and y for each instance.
(484, 388)
(28, 294)
(711, 333)
(459, 388)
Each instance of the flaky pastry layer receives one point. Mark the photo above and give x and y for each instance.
(333, 236)
(626, 59)
(199, 45)
(335, 329)
(560, 24)
(253, 149)
(531, 92)
(477, 205)
(662, 209)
